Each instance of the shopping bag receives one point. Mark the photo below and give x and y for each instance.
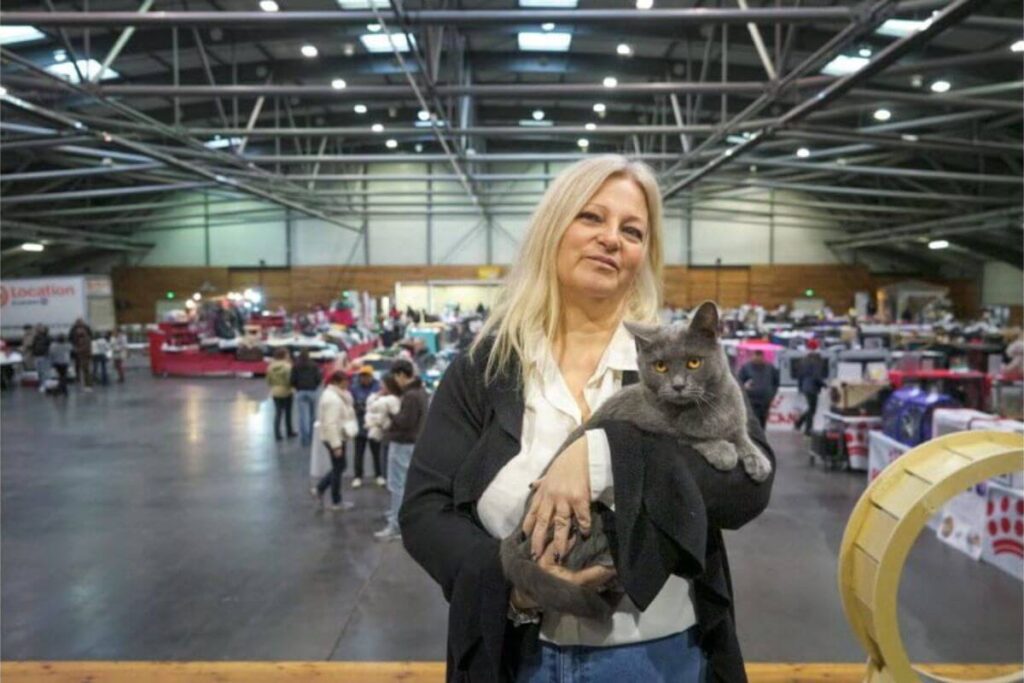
(319, 458)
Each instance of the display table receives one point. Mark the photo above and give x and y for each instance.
(787, 407)
(882, 451)
(855, 430)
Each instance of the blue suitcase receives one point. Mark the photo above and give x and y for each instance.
(907, 415)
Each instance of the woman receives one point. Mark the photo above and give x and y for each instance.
(552, 350)
(279, 379)
(118, 351)
(337, 425)
(60, 359)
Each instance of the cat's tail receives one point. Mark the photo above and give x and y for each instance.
(548, 591)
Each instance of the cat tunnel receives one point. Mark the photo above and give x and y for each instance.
(884, 525)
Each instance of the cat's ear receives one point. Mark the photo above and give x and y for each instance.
(705, 320)
(643, 333)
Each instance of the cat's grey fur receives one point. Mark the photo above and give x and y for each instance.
(703, 407)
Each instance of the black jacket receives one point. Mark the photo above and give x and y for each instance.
(407, 424)
(662, 522)
(306, 377)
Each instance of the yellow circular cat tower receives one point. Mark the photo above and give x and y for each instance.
(887, 520)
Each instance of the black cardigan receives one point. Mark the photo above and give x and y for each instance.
(669, 507)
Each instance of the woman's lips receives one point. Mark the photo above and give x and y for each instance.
(604, 261)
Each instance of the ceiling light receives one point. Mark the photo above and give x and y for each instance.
(644, 4)
(309, 51)
(753, 168)
(3, 91)
(843, 65)
(900, 28)
(538, 114)
(882, 115)
(591, 126)
(1018, 46)
(432, 122)
(531, 122)
(864, 52)
(554, 41)
(803, 152)
(917, 80)
(88, 67)
(547, 26)
(599, 107)
(381, 42)
(373, 28)
(60, 55)
(359, 109)
(32, 246)
(423, 115)
(938, 244)
(909, 137)
(348, 49)
(470, 151)
(391, 143)
(419, 147)
(197, 296)
(12, 35)
(548, 3)
(220, 143)
(268, 6)
(338, 84)
(624, 50)
(377, 128)
(841, 161)
(583, 143)
(362, 4)
(940, 86)
(610, 82)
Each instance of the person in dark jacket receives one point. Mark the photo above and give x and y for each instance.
(810, 377)
(80, 337)
(760, 379)
(41, 351)
(401, 437)
(365, 386)
(590, 259)
(305, 380)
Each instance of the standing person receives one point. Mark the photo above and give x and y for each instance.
(305, 380)
(337, 425)
(380, 409)
(401, 436)
(28, 334)
(100, 355)
(279, 379)
(80, 337)
(810, 378)
(365, 386)
(41, 342)
(60, 359)
(118, 351)
(553, 350)
(760, 380)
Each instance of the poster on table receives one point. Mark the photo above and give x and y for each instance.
(789, 404)
(962, 521)
(1003, 544)
(52, 301)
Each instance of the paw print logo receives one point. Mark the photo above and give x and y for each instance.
(1006, 524)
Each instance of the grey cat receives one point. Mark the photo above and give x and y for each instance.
(686, 390)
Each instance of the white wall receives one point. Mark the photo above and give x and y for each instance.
(1002, 284)
(736, 229)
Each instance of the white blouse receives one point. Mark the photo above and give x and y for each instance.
(550, 415)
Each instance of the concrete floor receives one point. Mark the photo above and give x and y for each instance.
(159, 520)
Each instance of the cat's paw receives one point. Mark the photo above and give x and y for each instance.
(721, 455)
(757, 466)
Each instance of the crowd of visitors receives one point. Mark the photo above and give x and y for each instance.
(82, 356)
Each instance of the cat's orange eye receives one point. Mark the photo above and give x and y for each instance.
(694, 363)
(660, 366)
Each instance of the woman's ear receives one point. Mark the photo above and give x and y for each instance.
(705, 320)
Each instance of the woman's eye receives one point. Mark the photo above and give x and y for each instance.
(694, 363)
(660, 366)
(590, 217)
(635, 233)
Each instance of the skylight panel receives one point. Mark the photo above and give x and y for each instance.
(551, 41)
(844, 65)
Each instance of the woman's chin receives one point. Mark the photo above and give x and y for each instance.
(597, 288)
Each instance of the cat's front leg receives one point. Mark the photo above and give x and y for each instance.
(756, 463)
(721, 454)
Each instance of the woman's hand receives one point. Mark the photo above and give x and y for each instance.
(596, 577)
(561, 494)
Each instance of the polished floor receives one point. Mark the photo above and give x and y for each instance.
(159, 520)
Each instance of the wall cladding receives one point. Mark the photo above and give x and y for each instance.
(137, 289)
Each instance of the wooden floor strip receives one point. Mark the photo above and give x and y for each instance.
(394, 672)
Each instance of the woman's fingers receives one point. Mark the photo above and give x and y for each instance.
(593, 577)
(581, 509)
(562, 522)
(539, 534)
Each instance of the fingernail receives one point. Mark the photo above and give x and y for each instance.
(558, 557)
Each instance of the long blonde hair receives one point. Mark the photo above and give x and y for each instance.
(528, 308)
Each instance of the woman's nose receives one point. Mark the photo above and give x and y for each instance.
(609, 237)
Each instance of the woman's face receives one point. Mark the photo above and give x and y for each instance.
(604, 247)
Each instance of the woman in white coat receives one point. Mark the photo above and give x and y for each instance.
(337, 425)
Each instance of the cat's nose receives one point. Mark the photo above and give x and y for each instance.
(678, 386)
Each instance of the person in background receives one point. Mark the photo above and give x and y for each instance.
(401, 436)
(365, 386)
(100, 355)
(60, 359)
(337, 425)
(28, 333)
(380, 408)
(279, 379)
(80, 337)
(305, 380)
(760, 380)
(810, 377)
(41, 352)
(118, 351)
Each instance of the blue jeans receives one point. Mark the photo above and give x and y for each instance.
(672, 658)
(399, 457)
(306, 400)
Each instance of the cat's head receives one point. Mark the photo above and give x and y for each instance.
(681, 364)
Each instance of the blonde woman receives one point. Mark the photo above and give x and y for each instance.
(552, 351)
